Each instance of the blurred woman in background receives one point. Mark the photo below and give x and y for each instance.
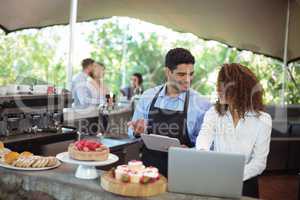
(136, 87)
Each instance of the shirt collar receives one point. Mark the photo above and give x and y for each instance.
(163, 93)
(84, 75)
(251, 114)
(247, 114)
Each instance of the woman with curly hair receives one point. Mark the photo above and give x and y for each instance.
(238, 124)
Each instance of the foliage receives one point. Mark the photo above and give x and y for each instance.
(32, 57)
(120, 52)
(26, 58)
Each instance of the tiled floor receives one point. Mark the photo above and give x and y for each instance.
(279, 187)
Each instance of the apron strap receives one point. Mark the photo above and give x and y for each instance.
(185, 135)
(154, 99)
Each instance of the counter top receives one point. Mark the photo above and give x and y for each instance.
(118, 143)
(30, 96)
(71, 114)
(61, 184)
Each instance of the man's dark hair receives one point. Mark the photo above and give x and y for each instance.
(86, 62)
(139, 76)
(178, 56)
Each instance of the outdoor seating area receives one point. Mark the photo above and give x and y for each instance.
(126, 99)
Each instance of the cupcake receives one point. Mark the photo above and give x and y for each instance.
(135, 176)
(136, 165)
(121, 171)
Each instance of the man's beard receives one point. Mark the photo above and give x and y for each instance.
(90, 74)
(176, 85)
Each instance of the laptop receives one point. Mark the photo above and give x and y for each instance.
(205, 173)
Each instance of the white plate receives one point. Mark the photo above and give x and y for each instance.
(2, 164)
(64, 157)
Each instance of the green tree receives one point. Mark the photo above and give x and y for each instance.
(33, 57)
(123, 54)
(27, 57)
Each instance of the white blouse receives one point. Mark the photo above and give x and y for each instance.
(250, 137)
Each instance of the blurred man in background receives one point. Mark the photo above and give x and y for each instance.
(81, 93)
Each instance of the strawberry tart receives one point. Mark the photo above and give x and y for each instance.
(136, 172)
(88, 150)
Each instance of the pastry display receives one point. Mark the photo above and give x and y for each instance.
(88, 150)
(136, 165)
(35, 162)
(27, 160)
(134, 180)
(136, 172)
(24, 162)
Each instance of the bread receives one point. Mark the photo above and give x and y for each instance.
(1, 146)
(10, 157)
(26, 154)
(23, 162)
(27, 160)
(52, 161)
(35, 162)
(38, 163)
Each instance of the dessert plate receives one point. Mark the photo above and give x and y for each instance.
(2, 164)
(86, 169)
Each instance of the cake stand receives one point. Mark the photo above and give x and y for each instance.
(86, 169)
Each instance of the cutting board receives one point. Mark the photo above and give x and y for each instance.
(110, 184)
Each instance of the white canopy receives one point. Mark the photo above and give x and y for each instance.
(256, 25)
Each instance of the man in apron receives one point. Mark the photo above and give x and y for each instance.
(172, 109)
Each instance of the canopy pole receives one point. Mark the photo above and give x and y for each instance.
(72, 22)
(281, 111)
(285, 53)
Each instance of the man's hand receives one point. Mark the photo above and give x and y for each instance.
(138, 126)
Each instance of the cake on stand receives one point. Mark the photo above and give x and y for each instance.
(87, 169)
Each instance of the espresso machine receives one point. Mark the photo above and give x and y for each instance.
(30, 114)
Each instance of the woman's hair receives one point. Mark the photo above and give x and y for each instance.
(139, 77)
(238, 85)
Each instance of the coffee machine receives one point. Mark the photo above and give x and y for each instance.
(29, 114)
